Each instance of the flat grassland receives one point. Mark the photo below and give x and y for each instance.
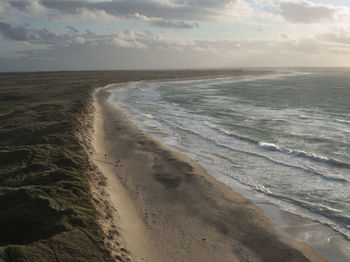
(46, 209)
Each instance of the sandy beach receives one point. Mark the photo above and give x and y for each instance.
(167, 208)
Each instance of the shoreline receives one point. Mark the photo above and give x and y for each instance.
(185, 211)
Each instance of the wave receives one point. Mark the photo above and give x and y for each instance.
(297, 153)
(344, 122)
(303, 154)
(228, 133)
(266, 158)
(327, 177)
(229, 79)
(273, 147)
(149, 116)
(324, 215)
(274, 76)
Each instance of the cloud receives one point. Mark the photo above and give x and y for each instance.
(43, 36)
(170, 9)
(160, 22)
(127, 39)
(80, 39)
(277, 42)
(151, 43)
(88, 15)
(337, 35)
(168, 13)
(119, 42)
(332, 41)
(12, 33)
(129, 49)
(302, 11)
(72, 29)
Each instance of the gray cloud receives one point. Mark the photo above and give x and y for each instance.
(149, 51)
(122, 39)
(172, 13)
(174, 9)
(172, 24)
(164, 22)
(43, 36)
(306, 12)
(337, 35)
(72, 29)
(147, 41)
(70, 48)
(215, 4)
(12, 33)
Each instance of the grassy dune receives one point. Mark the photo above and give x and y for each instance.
(46, 211)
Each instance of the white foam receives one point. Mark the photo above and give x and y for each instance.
(345, 122)
(149, 116)
(298, 153)
(270, 146)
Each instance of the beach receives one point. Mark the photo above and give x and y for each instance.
(168, 208)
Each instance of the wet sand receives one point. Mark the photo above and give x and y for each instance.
(169, 209)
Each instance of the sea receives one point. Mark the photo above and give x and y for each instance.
(285, 135)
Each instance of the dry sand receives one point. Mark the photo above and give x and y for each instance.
(168, 208)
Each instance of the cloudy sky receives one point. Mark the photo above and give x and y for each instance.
(166, 34)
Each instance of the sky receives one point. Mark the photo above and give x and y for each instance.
(40, 35)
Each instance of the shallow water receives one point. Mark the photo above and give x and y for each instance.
(286, 136)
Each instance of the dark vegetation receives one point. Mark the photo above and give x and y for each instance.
(46, 213)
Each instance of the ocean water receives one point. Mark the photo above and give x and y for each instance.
(285, 136)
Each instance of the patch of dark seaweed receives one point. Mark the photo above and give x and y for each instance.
(168, 180)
